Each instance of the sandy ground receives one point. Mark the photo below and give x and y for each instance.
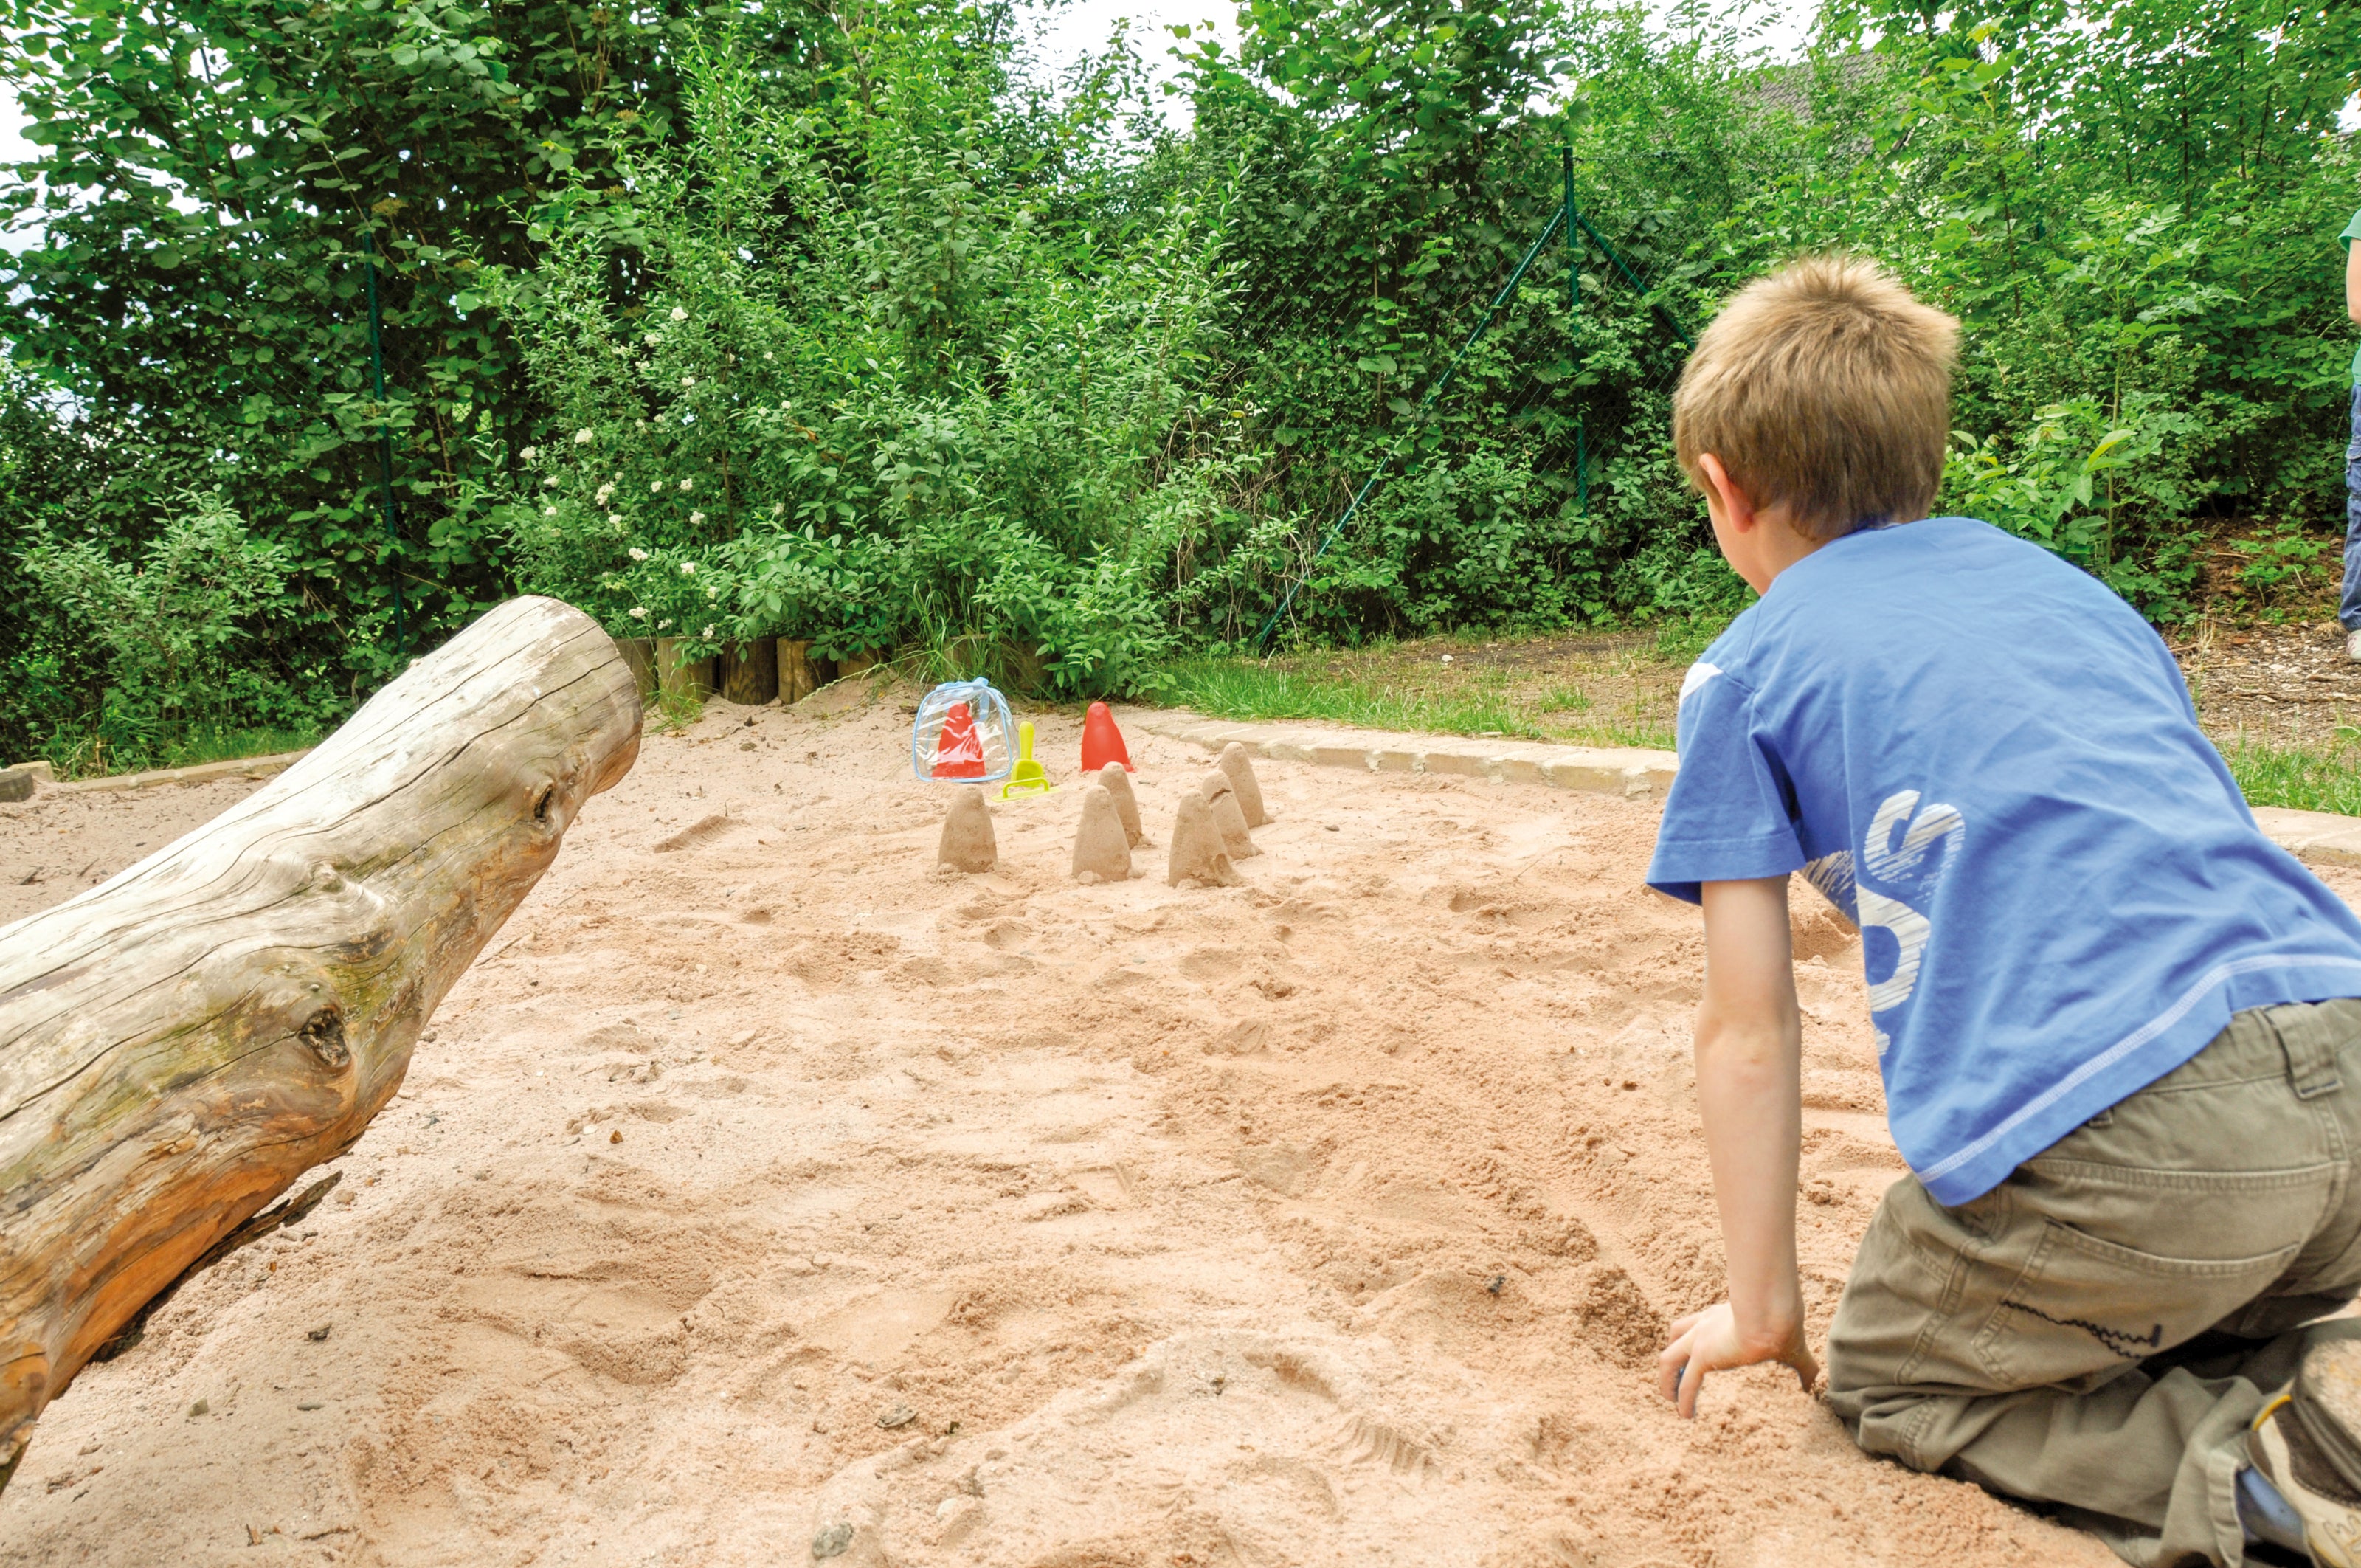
(764, 1196)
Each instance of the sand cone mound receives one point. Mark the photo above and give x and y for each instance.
(1117, 783)
(1101, 853)
(1197, 854)
(959, 750)
(1229, 818)
(1236, 764)
(968, 842)
(1102, 741)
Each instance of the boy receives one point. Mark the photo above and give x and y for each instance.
(2105, 1004)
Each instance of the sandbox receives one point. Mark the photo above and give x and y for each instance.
(765, 1196)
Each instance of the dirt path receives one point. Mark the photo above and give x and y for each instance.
(760, 1182)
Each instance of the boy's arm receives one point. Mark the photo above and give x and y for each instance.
(1748, 1061)
(2352, 279)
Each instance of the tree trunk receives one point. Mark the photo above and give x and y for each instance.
(180, 1042)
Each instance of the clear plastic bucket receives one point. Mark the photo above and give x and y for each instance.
(963, 734)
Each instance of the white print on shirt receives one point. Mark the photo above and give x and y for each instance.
(1887, 860)
(1832, 874)
(1699, 672)
(1937, 831)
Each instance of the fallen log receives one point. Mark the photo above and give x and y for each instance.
(181, 1041)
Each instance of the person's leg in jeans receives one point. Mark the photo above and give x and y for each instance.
(2348, 610)
(2051, 1339)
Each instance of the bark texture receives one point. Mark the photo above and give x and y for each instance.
(181, 1041)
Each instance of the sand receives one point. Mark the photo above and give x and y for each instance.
(767, 1195)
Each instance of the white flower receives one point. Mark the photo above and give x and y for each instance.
(639, 425)
(779, 509)
(549, 511)
(622, 351)
(695, 517)
(655, 486)
(614, 520)
(604, 491)
(583, 437)
(710, 595)
(664, 626)
(550, 483)
(529, 453)
(688, 381)
(687, 486)
(653, 338)
(638, 554)
(680, 315)
(707, 634)
(688, 568)
(767, 357)
(639, 612)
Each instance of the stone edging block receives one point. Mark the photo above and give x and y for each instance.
(201, 772)
(2323, 838)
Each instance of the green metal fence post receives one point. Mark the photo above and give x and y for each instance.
(384, 439)
(1574, 329)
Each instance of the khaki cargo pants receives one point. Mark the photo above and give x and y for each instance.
(2095, 1334)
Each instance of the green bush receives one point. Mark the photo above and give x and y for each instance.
(144, 662)
(927, 411)
(1020, 382)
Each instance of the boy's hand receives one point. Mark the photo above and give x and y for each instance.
(1709, 1341)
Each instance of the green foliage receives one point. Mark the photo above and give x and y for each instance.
(890, 347)
(926, 408)
(2279, 565)
(204, 176)
(135, 660)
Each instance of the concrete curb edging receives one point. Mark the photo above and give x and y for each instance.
(2323, 838)
(1629, 771)
(201, 772)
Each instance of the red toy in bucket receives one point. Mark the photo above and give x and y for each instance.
(959, 750)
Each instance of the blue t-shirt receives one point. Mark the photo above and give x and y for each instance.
(1991, 763)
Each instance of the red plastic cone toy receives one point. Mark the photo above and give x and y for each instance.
(959, 750)
(1103, 742)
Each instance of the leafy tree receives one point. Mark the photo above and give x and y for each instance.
(207, 177)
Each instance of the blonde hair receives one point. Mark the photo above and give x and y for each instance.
(1827, 387)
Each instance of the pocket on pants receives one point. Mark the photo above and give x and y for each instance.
(2081, 1307)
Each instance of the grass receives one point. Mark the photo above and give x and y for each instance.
(1243, 688)
(1395, 693)
(90, 756)
(2302, 777)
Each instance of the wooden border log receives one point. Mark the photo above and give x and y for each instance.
(797, 680)
(748, 672)
(684, 679)
(180, 1042)
(640, 652)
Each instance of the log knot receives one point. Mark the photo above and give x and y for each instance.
(324, 1032)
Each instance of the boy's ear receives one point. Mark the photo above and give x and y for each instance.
(1737, 508)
